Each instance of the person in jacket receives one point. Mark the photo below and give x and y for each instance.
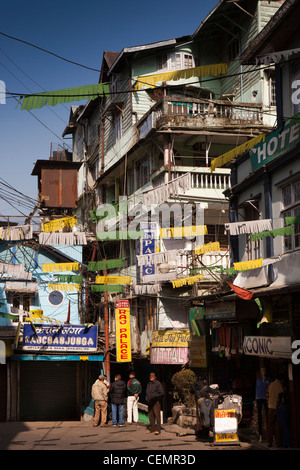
(117, 393)
(154, 394)
(202, 391)
(100, 396)
(134, 389)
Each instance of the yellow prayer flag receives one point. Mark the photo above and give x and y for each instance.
(58, 224)
(208, 247)
(234, 153)
(245, 265)
(53, 267)
(113, 280)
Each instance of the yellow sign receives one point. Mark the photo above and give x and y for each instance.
(171, 339)
(226, 427)
(123, 336)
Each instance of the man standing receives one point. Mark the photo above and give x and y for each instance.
(100, 396)
(117, 394)
(154, 394)
(134, 390)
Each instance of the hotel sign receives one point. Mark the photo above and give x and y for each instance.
(276, 144)
(123, 336)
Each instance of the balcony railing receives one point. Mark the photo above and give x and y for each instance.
(192, 112)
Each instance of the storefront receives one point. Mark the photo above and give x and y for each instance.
(51, 373)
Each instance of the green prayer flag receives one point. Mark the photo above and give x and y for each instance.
(67, 95)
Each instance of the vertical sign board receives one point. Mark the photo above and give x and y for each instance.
(148, 247)
(225, 431)
(123, 337)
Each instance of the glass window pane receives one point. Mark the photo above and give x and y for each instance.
(287, 196)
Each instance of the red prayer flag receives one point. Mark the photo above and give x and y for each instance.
(242, 293)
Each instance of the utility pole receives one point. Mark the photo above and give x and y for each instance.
(106, 331)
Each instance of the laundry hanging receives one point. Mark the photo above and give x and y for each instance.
(53, 267)
(253, 226)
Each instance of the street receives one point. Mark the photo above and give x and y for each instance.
(73, 435)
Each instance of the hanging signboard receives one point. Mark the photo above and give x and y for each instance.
(225, 431)
(123, 335)
(171, 339)
(148, 247)
(60, 338)
(277, 143)
(268, 346)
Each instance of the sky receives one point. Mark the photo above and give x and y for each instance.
(79, 32)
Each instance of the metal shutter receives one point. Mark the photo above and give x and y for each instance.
(3, 392)
(48, 391)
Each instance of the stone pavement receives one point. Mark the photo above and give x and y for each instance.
(81, 435)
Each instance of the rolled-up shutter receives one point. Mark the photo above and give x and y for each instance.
(48, 391)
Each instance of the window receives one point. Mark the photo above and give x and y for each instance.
(175, 61)
(118, 122)
(272, 91)
(233, 49)
(291, 208)
(143, 171)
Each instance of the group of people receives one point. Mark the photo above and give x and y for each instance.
(120, 391)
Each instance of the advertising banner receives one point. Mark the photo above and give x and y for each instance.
(60, 338)
(123, 335)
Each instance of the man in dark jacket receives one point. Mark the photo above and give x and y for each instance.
(154, 394)
(117, 393)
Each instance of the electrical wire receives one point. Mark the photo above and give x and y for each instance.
(48, 52)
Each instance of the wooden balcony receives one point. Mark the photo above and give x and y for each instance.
(191, 113)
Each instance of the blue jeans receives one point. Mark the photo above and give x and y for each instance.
(117, 412)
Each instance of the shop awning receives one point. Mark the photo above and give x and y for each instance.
(149, 81)
(234, 153)
(67, 95)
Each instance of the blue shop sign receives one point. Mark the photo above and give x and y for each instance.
(60, 338)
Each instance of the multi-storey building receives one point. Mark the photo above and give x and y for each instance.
(264, 229)
(146, 151)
